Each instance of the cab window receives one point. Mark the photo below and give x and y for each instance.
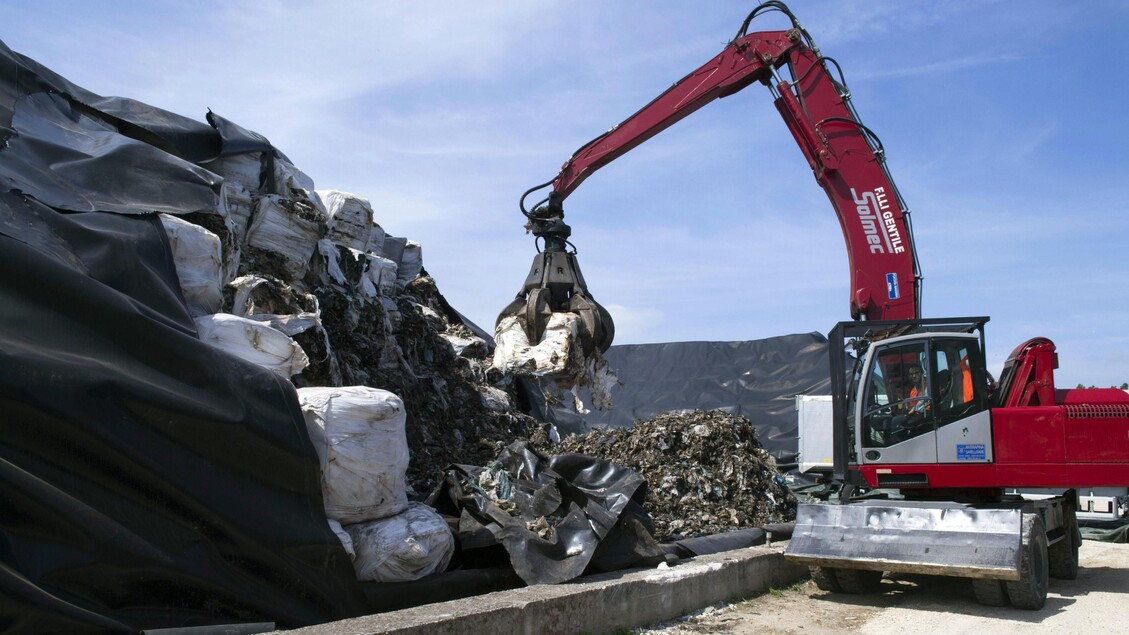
(957, 393)
(898, 401)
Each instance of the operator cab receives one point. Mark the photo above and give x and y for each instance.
(912, 393)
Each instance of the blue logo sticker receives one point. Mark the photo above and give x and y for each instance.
(892, 286)
(972, 452)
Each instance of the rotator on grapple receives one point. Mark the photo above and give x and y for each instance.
(554, 283)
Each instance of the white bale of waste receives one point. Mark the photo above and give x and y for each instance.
(244, 169)
(405, 547)
(198, 254)
(359, 436)
(551, 356)
(288, 178)
(408, 256)
(350, 219)
(411, 263)
(256, 342)
(378, 277)
(383, 273)
(288, 228)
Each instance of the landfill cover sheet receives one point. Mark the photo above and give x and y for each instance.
(757, 378)
(147, 480)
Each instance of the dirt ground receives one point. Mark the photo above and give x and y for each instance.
(1094, 602)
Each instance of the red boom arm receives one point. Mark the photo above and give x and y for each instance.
(845, 158)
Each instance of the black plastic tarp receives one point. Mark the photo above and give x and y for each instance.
(147, 480)
(757, 378)
(555, 517)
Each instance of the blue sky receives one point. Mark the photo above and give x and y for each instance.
(1005, 126)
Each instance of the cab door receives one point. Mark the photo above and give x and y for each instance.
(894, 405)
(921, 401)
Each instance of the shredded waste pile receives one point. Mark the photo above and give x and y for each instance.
(706, 471)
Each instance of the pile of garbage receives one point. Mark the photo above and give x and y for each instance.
(308, 283)
(706, 471)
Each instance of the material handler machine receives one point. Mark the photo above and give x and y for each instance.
(927, 445)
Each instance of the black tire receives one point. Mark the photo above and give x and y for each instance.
(826, 579)
(1063, 555)
(990, 592)
(1030, 591)
(858, 581)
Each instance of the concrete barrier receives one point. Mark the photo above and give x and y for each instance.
(604, 603)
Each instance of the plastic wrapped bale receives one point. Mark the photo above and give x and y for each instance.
(379, 278)
(254, 294)
(350, 219)
(243, 169)
(256, 342)
(408, 256)
(289, 228)
(405, 547)
(549, 357)
(411, 263)
(360, 439)
(288, 178)
(198, 255)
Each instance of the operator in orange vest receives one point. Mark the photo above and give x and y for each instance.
(917, 396)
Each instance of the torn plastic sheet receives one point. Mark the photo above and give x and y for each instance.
(350, 219)
(555, 517)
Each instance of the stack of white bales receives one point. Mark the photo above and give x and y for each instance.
(357, 431)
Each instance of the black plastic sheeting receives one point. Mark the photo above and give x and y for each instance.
(758, 379)
(593, 510)
(147, 480)
(73, 150)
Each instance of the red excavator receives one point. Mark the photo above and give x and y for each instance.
(929, 448)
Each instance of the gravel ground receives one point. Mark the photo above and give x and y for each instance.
(1094, 602)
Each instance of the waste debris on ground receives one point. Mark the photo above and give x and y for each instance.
(706, 471)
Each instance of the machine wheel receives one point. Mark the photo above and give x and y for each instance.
(990, 592)
(1030, 591)
(825, 578)
(1063, 554)
(858, 581)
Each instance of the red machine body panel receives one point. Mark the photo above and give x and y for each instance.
(1081, 445)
